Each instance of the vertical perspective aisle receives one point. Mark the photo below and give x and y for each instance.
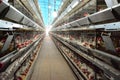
(50, 64)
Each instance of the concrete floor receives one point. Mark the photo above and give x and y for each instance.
(50, 64)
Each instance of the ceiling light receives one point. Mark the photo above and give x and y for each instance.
(49, 6)
(54, 14)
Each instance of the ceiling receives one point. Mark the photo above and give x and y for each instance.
(48, 8)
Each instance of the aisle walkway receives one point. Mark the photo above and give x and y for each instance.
(50, 64)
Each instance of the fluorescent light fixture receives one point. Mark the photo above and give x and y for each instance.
(61, 3)
(75, 3)
(69, 9)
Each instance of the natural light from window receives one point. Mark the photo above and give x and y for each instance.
(48, 30)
